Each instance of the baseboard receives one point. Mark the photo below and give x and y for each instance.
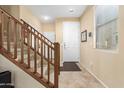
(96, 77)
(61, 63)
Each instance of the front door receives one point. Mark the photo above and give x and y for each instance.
(71, 41)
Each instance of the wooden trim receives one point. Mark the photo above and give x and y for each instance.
(22, 44)
(40, 54)
(15, 40)
(38, 44)
(35, 55)
(1, 29)
(26, 39)
(33, 33)
(7, 14)
(44, 50)
(28, 43)
(48, 69)
(8, 35)
(31, 39)
(41, 59)
(51, 55)
(56, 64)
(36, 31)
(28, 71)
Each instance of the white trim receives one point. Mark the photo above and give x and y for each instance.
(116, 51)
(95, 76)
(61, 63)
(94, 31)
(94, 38)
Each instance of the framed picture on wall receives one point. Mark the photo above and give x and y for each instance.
(84, 36)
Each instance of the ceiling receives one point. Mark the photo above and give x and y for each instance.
(48, 13)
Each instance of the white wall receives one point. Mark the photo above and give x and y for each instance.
(21, 79)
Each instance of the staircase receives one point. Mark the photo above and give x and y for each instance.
(25, 47)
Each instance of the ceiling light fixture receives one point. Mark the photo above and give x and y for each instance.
(71, 10)
(46, 18)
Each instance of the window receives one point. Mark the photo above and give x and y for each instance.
(106, 27)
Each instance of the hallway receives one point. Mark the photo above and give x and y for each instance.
(78, 79)
(89, 34)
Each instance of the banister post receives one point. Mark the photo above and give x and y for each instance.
(56, 64)
(0, 36)
(1, 28)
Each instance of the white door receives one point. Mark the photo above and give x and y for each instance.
(71, 41)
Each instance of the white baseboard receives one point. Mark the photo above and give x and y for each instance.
(96, 77)
(61, 63)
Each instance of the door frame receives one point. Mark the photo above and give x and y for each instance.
(63, 41)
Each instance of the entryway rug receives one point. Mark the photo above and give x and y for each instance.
(70, 66)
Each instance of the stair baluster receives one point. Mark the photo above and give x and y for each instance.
(41, 59)
(28, 43)
(1, 29)
(46, 54)
(15, 40)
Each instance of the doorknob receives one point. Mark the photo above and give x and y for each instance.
(64, 45)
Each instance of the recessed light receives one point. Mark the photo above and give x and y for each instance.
(46, 18)
(71, 10)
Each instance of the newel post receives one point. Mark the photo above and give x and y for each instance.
(56, 64)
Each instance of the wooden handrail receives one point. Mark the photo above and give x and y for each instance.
(41, 39)
(24, 22)
(7, 14)
(27, 39)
